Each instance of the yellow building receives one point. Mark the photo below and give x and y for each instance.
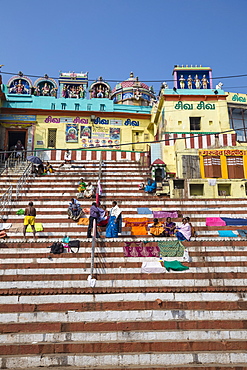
(197, 129)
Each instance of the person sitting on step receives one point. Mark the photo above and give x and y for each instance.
(157, 228)
(184, 231)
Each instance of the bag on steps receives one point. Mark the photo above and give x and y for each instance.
(57, 248)
(74, 244)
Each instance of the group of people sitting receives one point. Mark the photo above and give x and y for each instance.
(112, 219)
(169, 229)
(150, 187)
(85, 190)
(42, 169)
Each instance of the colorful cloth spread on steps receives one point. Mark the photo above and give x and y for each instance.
(175, 265)
(152, 267)
(171, 248)
(227, 233)
(83, 221)
(144, 211)
(137, 249)
(242, 233)
(20, 212)
(139, 221)
(215, 221)
(165, 214)
(234, 221)
(38, 227)
(139, 230)
(138, 225)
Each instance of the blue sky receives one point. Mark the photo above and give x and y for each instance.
(111, 38)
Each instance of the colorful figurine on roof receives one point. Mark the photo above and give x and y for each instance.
(45, 86)
(19, 84)
(73, 85)
(193, 77)
(100, 89)
(133, 92)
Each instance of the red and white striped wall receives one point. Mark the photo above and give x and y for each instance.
(91, 155)
(196, 141)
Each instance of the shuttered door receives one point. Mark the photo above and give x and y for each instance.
(212, 166)
(235, 167)
(191, 168)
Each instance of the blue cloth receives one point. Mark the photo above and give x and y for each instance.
(226, 233)
(234, 221)
(113, 228)
(242, 233)
(151, 186)
(144, 211)
(180, 236)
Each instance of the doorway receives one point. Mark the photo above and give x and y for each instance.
(13, 136)
(137, 136)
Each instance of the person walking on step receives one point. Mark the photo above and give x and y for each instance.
(29, 219)
(94, 215)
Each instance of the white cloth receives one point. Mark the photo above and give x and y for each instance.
(153, 267)
(186, 256)
(5, 226)
(212, 182)
(115, 211)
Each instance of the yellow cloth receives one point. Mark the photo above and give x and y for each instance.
(158, 209)
(157, 230)
(141, 219)
(29, 220)
(139, 230)
(38, 227)
(83, 221)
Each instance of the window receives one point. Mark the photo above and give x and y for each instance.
(77, 106)
(89, 107)
(238, 122)
(195, 123)
(212, 166)
(53, 106)
(63, 106)
(235, 167)
(102, 107)
(196, 189)
(52, 134)
(224, 190)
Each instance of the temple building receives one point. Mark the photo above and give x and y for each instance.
(45, 114)
(202, 136)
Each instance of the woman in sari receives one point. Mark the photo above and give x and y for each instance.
(104, 216)
(157, 228)
(169, 227)
(74, 210)
(184, 231)
(151, 186)
(114, 225)
(89, 192)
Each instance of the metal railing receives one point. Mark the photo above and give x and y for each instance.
(95, 226)
(23, 179)
(9, 161)
(6, 201)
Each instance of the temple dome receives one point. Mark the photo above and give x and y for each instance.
(132, 91)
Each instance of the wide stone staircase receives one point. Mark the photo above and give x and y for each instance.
(51, 318)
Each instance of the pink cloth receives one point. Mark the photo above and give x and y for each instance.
(137, 249)
(215, 221)
(164, 214)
